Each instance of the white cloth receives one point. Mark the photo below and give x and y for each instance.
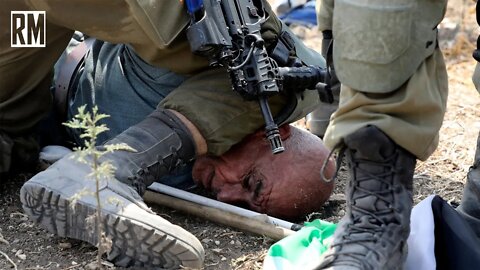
(421, 242)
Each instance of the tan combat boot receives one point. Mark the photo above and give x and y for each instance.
(373, 233)
(140, 238)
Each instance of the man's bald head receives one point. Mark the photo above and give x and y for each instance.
(287, 185)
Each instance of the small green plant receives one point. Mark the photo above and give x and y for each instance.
(90, 155)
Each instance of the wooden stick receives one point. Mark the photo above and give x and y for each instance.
(251, 225)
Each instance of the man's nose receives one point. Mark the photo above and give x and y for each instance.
(233, 193)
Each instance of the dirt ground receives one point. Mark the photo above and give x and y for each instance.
(31, 247)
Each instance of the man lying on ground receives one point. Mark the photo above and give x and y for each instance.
(169, 105)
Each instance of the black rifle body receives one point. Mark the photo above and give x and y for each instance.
(228, 33)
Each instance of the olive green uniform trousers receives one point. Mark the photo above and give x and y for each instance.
(406, 100)
(155, 30)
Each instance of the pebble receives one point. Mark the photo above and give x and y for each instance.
(217, 250)
(19, 254)
(217, 243)
(65, 245)
(92, 266)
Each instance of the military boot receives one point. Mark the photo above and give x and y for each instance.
(373, 233)
(469, 207)
(62, 199)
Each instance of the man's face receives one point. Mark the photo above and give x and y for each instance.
(286, 185)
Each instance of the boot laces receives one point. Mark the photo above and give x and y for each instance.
(338, 161)
(356, 232)
(152, 172)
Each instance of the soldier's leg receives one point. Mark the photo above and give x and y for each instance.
(139, 236)
(381, 159)
(221, 115)
(317, 121)
(130, 91)
(150, 27)
(25, 78)
(24, 101)
(389, 115)
(165, 139)
(469, 207)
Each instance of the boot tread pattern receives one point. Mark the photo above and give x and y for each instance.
(133, 243)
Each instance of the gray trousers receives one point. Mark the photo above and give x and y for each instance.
(122, 85)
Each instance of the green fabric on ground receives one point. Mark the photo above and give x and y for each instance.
(296, 251)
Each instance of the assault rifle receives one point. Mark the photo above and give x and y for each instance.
(227, 33)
